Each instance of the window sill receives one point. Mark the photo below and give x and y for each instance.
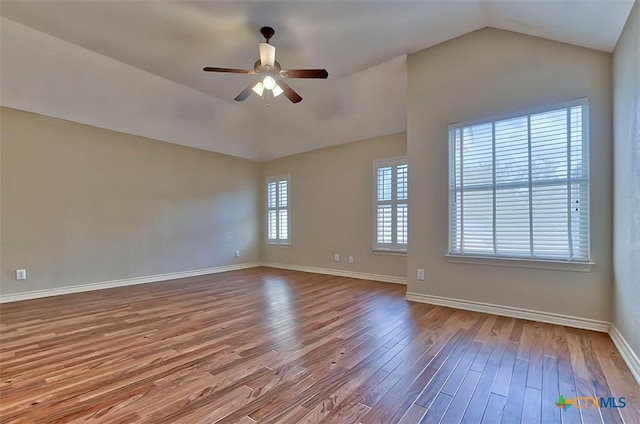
(286, 245)
(522, 263)
(389, 252)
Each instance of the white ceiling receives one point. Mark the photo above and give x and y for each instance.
(361, 43)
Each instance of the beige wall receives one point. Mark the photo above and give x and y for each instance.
(332, 207)
(483, 74)
(82, 204)
(626, 221)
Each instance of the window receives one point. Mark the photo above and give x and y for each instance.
(391, 204)
(278, 209)
(519, 187)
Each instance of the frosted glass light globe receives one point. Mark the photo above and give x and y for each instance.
(269, 82)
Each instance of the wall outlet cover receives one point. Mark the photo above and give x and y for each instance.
(420, 275)
(336, 257)
(21, 274)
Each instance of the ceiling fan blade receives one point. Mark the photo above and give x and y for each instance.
(230, 70)
(289, 93)
(245, 93)
(267, 55)
(304, 73)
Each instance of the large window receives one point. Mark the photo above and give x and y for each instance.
(519, 187)
(391, 204)
(278, 209)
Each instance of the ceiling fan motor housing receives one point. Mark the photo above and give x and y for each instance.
(267, 32)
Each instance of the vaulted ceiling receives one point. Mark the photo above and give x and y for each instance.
(149, 52)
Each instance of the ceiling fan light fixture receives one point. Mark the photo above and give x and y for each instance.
(269, 82)
(277, 90)
(258, 89)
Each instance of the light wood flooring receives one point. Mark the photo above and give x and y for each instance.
(274, 346)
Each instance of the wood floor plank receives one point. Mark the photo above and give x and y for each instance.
(503, 377)
(437, 409)
(413, 415)
(494, 410)
(462, 369)
(532, 407)
(440, 370)
(478, 402)
(581, 374)
(550, 391)
(462, 397)
(513, 409)
(536, 356)
(566, 380)
(277, 346)
(352, 414)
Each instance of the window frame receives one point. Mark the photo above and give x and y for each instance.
(524, 261)
(394, 247)
(277, 179)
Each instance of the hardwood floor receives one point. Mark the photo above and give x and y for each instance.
(273, 346)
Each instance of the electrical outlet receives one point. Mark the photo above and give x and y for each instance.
(420, 274)
(350, 259)
(21, 274)
(237, 253)
(336, 257)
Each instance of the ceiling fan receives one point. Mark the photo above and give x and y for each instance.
(270, 73)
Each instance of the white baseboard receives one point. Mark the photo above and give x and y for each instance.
(339, 273)
(510, 311)
(627, 354)
(120, 283)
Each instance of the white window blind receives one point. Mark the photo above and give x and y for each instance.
(278, 209)
(391, 206)
(519, 187)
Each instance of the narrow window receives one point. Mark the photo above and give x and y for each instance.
(278, 209)
(391, 207)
